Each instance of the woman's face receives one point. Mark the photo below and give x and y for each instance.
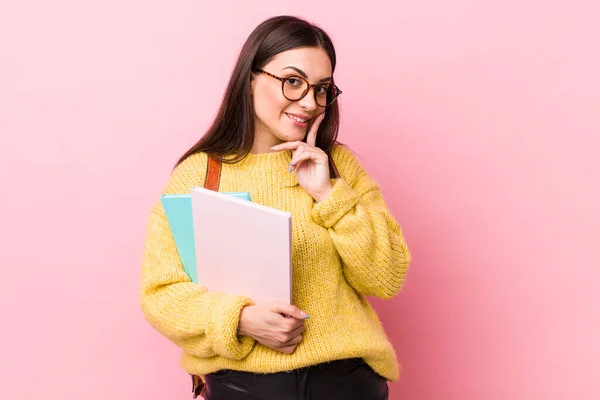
(278, 119)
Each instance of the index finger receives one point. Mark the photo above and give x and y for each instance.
(311, 138)
(289, 310)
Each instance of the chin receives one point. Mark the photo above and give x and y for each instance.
(291, 135)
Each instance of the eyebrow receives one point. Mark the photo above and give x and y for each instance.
(298, 70)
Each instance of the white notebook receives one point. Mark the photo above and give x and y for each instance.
(242, 248)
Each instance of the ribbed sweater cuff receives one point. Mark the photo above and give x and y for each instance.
(341, 200)
(222, 324)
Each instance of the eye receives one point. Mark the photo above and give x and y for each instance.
(293, 81)
(321, 89)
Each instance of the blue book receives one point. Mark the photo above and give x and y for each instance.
(178, 208)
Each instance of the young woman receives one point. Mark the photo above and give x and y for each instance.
(275, 137)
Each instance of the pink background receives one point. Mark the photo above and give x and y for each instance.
(480, 120)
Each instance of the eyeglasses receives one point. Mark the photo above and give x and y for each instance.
(295, 88)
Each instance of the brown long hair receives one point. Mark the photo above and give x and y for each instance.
(232, 131)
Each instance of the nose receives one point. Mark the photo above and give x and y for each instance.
(308, 102)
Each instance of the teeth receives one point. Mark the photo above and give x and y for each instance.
(297, 119)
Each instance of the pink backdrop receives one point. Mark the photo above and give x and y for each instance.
(480, 120)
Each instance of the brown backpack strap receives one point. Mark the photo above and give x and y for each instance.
(213, 172)
(198, 386)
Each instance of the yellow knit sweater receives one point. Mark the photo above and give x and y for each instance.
(344, 248)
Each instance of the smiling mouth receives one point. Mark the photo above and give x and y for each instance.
(295, 118)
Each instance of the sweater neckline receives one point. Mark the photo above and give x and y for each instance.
(267, 162)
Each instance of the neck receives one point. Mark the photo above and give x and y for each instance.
(263, 140)
(260, 147)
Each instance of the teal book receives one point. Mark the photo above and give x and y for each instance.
(178, 208)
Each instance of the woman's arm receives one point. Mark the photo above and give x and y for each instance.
(365, 234)
(200, 322)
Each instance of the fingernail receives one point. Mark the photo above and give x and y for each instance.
(324, 114)
(307, 317)
(290, 170)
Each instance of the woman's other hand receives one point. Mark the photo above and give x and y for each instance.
(310, 163)
(277, 325)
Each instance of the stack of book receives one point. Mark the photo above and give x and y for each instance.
(230, 244)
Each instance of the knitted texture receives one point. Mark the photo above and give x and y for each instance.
(343, 248)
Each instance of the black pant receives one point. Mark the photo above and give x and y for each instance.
(344, 379)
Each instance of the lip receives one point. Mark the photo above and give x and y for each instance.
(301, 116)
